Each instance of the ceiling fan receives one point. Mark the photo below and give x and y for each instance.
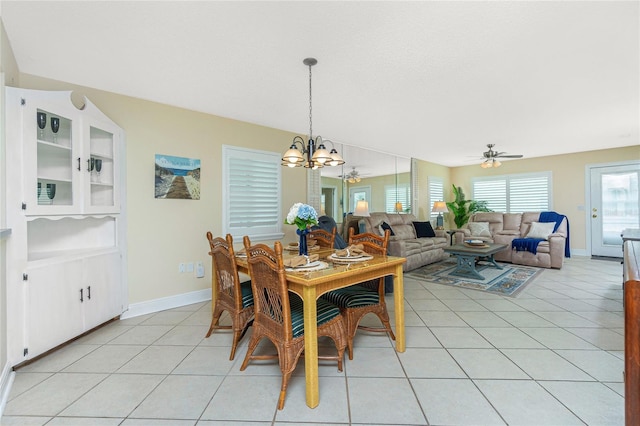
(491, 157)
(352, 177)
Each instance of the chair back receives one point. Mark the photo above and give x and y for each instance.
(324, 238)
(372, 243)
(225, 270)
(270, 292)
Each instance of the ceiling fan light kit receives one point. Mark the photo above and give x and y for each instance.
(315, 155)
(491, 157)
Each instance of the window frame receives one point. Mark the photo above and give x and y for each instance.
(271, 160)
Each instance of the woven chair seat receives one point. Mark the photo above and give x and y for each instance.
(352, 297)
(326, 312)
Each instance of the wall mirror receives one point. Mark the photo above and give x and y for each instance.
(382, 179)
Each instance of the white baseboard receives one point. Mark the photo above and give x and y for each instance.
(164, 303)
(6, 380)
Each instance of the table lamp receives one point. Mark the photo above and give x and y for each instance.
(398, 207)
(362, 209)
(440, 207)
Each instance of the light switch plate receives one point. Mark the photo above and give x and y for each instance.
(199, 270)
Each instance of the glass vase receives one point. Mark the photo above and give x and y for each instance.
(302, 245)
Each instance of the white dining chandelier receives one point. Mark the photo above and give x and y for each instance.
(314, 155)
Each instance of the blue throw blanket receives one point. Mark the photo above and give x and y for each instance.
(531, 244)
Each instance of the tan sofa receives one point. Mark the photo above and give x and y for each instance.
(417, 251)
(505, 227)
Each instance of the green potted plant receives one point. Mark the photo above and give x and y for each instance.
(462, 208)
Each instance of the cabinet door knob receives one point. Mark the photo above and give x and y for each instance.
(594, 216)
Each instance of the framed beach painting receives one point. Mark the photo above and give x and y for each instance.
(177, 177)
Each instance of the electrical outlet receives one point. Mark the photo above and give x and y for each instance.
(190, 267)
(199, 270)
(181, 267)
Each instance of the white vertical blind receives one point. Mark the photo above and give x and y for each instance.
(251, 193)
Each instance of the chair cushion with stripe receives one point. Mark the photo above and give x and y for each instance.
(352, 296)
(326, 312)
(247, 294)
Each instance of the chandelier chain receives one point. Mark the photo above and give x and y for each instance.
(310, 108)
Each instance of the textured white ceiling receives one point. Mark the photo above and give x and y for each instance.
(432, 80)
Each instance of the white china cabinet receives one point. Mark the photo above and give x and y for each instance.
(65, 204)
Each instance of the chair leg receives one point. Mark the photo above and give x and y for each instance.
(387, 325)
(283, 389)
(217, 313)
(253, 343)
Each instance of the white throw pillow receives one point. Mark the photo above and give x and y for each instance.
(541, 230)
(479, 229)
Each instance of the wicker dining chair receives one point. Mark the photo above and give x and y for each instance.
(233, 296)
(279, 314)
(324, 238)
(358, 300)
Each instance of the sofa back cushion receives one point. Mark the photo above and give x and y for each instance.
(402, 224)
(512, 221)
(527, 219)
(495, 220)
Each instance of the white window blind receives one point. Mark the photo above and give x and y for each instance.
(515, 193)
(395, 194)
(436, 193)
(251, 193)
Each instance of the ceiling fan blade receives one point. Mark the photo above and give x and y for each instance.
(509, 156)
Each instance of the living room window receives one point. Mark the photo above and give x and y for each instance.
(251, 188)
(397, 194)
(514, 193)
(436, 193)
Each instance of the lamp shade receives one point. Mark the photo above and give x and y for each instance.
(440, 207)
(362, 209)
(398, 207)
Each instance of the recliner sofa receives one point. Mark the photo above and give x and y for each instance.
(404, 242)
(505, 227)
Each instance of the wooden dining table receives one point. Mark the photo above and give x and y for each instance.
(309, 285)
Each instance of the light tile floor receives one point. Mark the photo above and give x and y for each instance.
(552, 356)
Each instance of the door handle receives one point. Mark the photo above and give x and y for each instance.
(594, 216)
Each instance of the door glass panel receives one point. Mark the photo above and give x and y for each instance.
(54, 162)
(619, 205)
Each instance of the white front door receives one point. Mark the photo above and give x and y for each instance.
(615, 206)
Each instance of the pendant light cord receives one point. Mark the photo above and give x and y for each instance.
(310, 108)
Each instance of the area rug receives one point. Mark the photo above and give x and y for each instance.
(506, 282)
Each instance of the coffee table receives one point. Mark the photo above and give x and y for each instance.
(469, 256)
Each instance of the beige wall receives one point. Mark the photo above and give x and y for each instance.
(423, 170)
(568, 176)
(162, 233)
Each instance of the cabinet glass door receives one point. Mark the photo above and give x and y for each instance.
(100, 167)
(51, 189)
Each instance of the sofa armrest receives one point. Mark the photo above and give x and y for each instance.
(397, 248)
(460, 235)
